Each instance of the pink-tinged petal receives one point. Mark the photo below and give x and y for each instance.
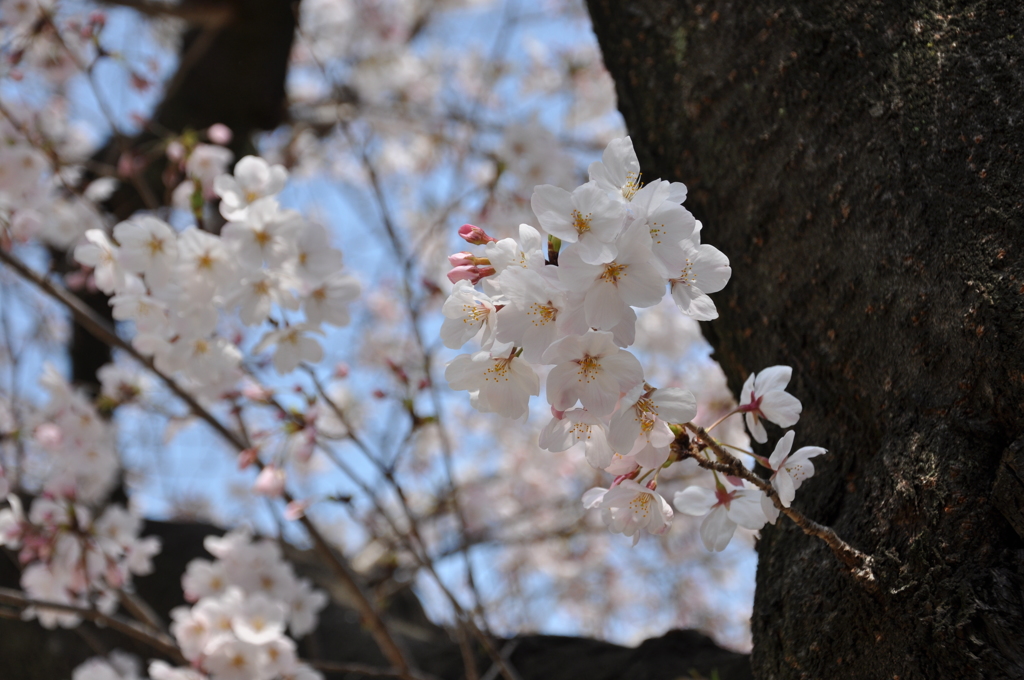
(562, 386)
(783, 483)
(717, 529)
(566, 349)
(624, 429)
(641, 286)
(594, 252)
(711, 267)
(771, 513)
(781, 408)
(782, 449)
(555, 437)
(755, 428)
(663, 509)
(746, 511)
(772, 378)
(625, 368)
(675, 405)
(599, 453)
(694, 500)
(604, 307)
(649, 456)
(593, 497)
(747, 390)
(554, 207)
(694, 303)
(625, 332)
(601, 394)
(574, 273)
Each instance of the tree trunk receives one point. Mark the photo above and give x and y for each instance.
(860, 164)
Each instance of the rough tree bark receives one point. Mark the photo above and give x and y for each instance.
(860, 163)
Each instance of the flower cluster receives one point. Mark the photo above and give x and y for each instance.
(266, 257)
(74, 558)
(245, 601)
(567, 300)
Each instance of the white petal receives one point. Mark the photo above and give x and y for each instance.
(782, 449)
(717, 529)
(694, 500)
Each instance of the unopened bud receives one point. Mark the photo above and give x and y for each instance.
(472, 273)
(462, 259)
(270, 482)
(219, 134)
(475, 235)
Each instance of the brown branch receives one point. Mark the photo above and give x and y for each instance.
(859, 563)
(137, 631)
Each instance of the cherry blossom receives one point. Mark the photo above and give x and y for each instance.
(700, 270)
(586, 217)
(725, 507)
(629, 507)
(253, 179)
(764, 396)
(791, 469)
(590, 369)
(500, 384)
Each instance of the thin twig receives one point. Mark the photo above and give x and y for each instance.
(860, 563)
(137, 631)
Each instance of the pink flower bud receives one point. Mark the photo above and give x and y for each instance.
(176, 151)
(247, 458)
(270, 482)
(341, 370)
(471, 273)
(475, 235)
(219, 134)
(462, 259)
(296, 510)
(558, 415)
(652, 485)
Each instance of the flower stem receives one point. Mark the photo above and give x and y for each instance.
(859, 563)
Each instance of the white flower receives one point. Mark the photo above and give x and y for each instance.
(618, 171)
(586, 217)
(228, 658)
(328, 303)
(254, 179)
(590, 369)
(315, 258)
(764, 396)
(725, 508)
(502, 384)
(260, 620)
(133, 303)
(206, 162)
(257, 294)
(266, 235)
(149, 247)
(533, 318)
(100, 254)
(528, 253)
(467, 312)
(700, 270)
(790, 470)
(203, 260)
(574, 427)
(640, 428)
(628, 507)
(305, 603)
(293, 346)
(611, 288)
